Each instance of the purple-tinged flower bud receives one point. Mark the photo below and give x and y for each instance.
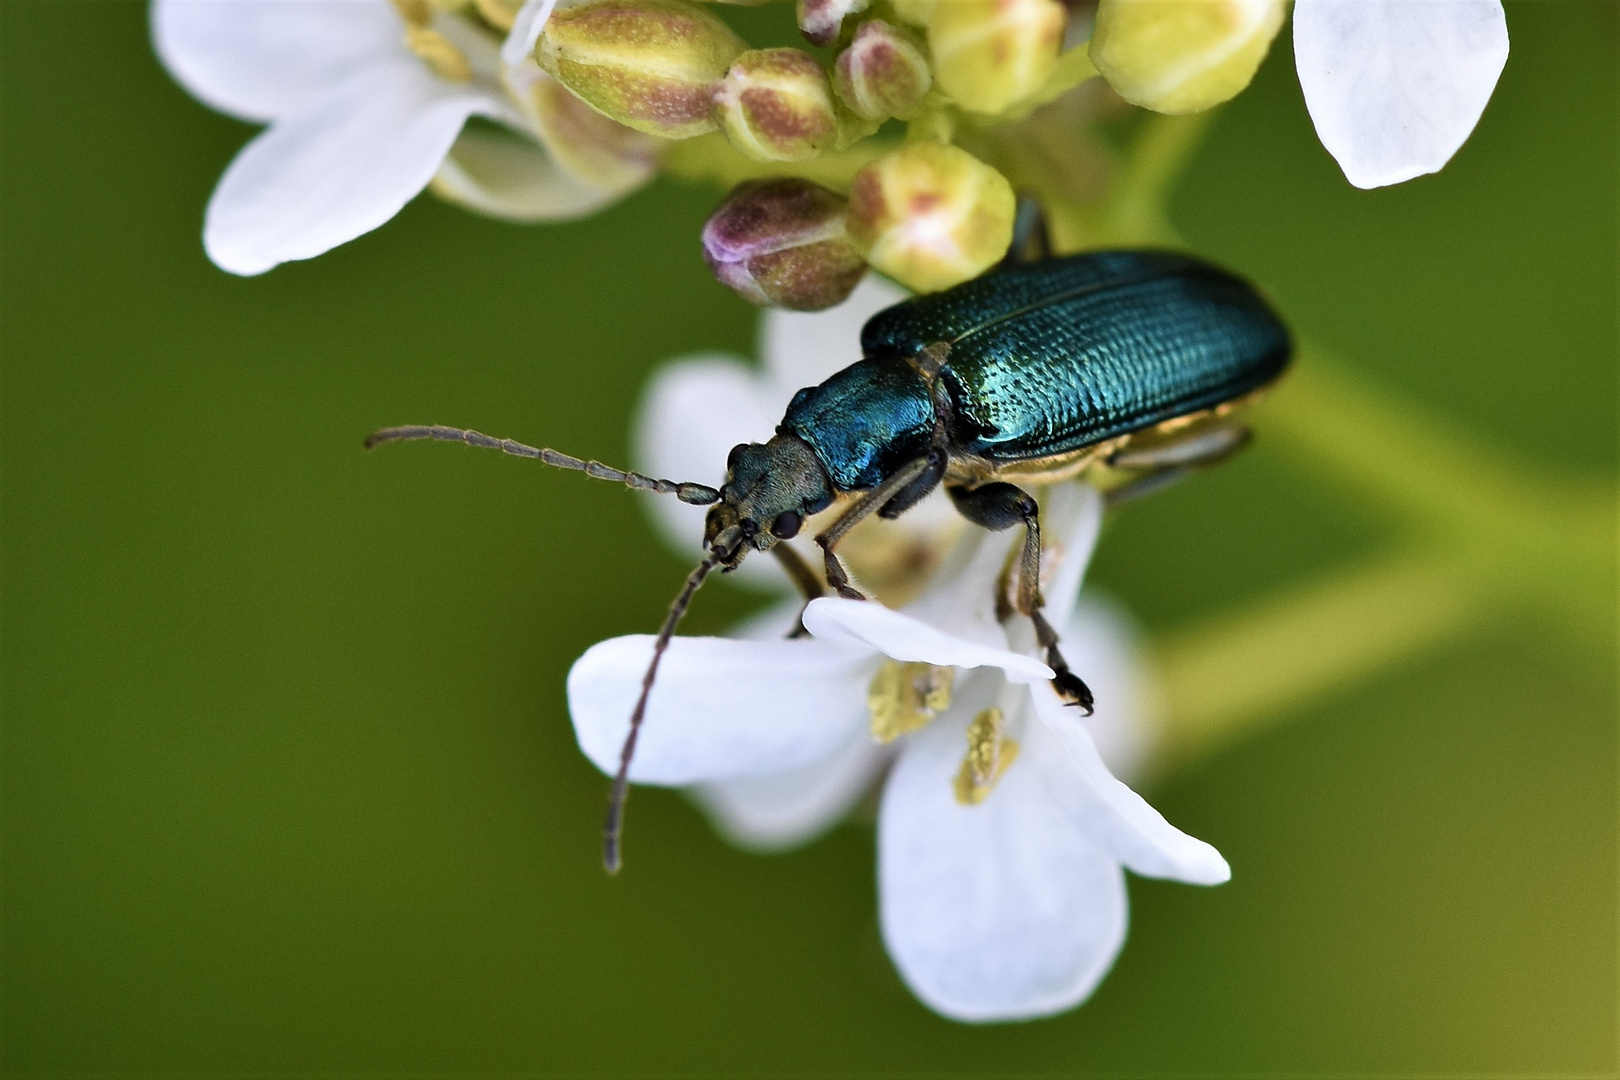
(649, 64)
(883, 73)
(821, 20)
(989, 54)
(776, 105)
(783, 243)
(930, 215)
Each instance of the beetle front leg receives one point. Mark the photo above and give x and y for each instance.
(1000, 506)
(804, 579)
(837, 576)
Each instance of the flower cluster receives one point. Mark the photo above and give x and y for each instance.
(896, 144)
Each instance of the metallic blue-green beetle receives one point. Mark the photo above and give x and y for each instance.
(1128, 362)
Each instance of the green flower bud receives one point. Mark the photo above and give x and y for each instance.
(783, 243)
(649, 64)
(990, 53)
(930, 215)
(1182, 56)
(914, 12)
(776, 105)
(582, 140)
(821, 20)
(883, 73)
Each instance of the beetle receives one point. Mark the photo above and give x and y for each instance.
(1038, 371)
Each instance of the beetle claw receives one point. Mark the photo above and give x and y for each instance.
(1074, 691)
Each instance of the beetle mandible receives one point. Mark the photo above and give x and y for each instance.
(1038, 371)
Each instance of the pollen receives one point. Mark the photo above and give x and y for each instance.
(906, 696)
(988, 756)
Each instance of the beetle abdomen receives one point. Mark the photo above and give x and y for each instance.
(1053, 356)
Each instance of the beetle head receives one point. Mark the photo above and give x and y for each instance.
(770, 490)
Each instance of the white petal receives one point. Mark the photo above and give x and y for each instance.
(1002, 911)
(961, 598)
(802, 348)
(783, 810)
(338, 168)
(507, 176)
(1100, 643)
(857, 623)
(1396, 86)
(721, 708)
(694, 410)
(1119, 818)
(260, 59)
(526, 26)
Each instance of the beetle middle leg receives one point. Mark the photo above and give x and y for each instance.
(998, 506)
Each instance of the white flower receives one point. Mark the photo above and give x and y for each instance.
(1395, 87)
(366, 101)
(1002, 895)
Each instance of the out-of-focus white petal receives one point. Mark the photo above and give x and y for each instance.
(506, 176)
(802, 348)
(338, 168)
(1396, 86)
(260, 59)
(1100, 641)
(526, 26)
(1002, 911)
(1117, 817)
(961, 600)
(783, 810)
(694, 410)
(721, 708)
(868, 624)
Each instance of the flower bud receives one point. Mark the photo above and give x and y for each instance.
(883, 73)
(585, 143)
(776, 105)
(1182, 56)
(991, 53)
(930, 215)
(821, 20)
(783, 243)
(649, 64)
(914, 12)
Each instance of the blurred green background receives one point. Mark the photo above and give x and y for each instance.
(289, 785)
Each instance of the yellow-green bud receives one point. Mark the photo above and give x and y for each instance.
(930, 215)
(649, 64)
(821, 20)
(1182, 56)
(782, 243)
(776, 105)
(915, 12)
(990, 53)
(586, 143)
(883, 73)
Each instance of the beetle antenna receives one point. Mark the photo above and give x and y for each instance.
(613, 827)
(697, 494)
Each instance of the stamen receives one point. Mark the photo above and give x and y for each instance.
(445, 59)
(903, 697)
(989, 755)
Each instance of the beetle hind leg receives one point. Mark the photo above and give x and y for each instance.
(1170, 462)
(998, 506)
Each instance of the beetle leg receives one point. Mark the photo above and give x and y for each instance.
(1031, 240)
(803, 578)
(837, 577)
(1166, 463)
(999, 506)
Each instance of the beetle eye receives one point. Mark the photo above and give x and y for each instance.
(731, 458)
(787, 524)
